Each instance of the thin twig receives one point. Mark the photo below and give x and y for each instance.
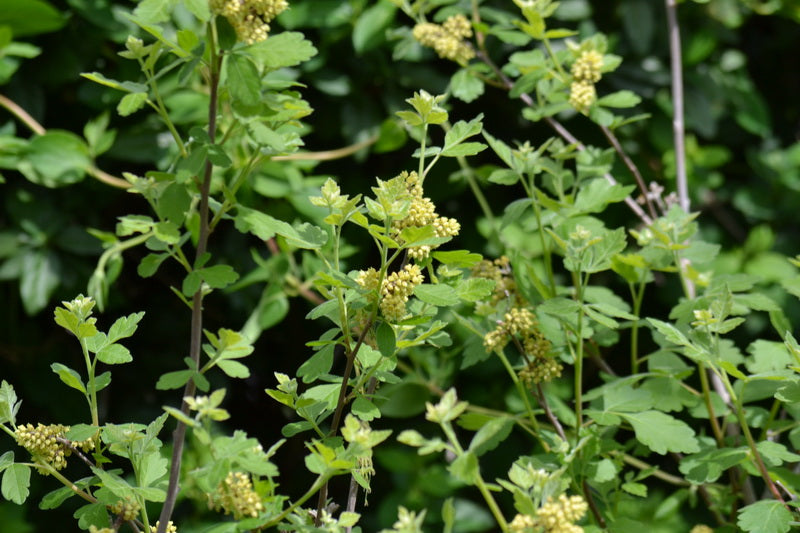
(337, 415)
(549, 413)
(587, 495)
(612, 138)
(179, 436)
(38, 129)
(327, 155)
(676, 66)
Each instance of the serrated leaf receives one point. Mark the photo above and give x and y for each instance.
(8, 403)
(124, 327)
(662, 433)
(154, 10)
(766, 516)
(285, 49)
(465, 86)
(439, 295)
(370, 28)
(244, 83)
(465, 468)
(234, 369)
(16, 483)
(365, 409)
(131, 103)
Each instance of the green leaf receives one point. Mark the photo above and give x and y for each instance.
(234, 369)
(81, 432)
(150, 263)
(124, 327)
(114, 354)
(174, 380)
(620, 99)
(167, 232)
(244, 83)
(93, 514)
(317, 365)
(365, 409)
(40, 275)
(8, 403)
(199, 8)
(385, 337)
(371, 26)
(465, 86)
(464, 149)
(439, 295)
(465, 468)
(708, 466)
(154, 10)
(131, 103)
(16, 482)
(491, 435)
(54, 499)
(286, 49)
(70, 377)
(461, 131)
(265, 227)
(55, 159)
(30, 17)
(766, 516)
(662, 433)
(219, 276)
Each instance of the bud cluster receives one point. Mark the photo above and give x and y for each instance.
(522, 523)
(235, 495)
(586, 71)
(128, 509)
(250, 18)
(498, 270)
(396, 290)
(43, 443)
(701, 528)
(95, 529)
(559, 516)
(171, 528)
(447, 39)
(422, 212)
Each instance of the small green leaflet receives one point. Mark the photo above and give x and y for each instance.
(285, 49)
(766, 516)
(70, 377)
(16, 483)
(662, 433)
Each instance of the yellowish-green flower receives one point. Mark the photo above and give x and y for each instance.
(447, 39)
(701, 528)
(582, 95)
(588, 66)
(235, 495)
(559, 516)
(128, 509)
(250, 18)
(171, 528)
(396, 290)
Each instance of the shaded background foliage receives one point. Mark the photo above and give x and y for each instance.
(743, 120)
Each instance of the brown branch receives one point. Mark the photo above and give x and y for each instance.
(179, 436)
(612, 138)
(340, 403)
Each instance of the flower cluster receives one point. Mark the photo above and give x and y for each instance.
(586, 71)
(95, 529)
(128, 509)
(522, 523)
(171, 528)
(422, 212)
(235, 495)
(701, 528)
(559, 516)
(522, 324)
(395, 289)
(447, 39)
(250, 18)
(498, 270)
(43, 443)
